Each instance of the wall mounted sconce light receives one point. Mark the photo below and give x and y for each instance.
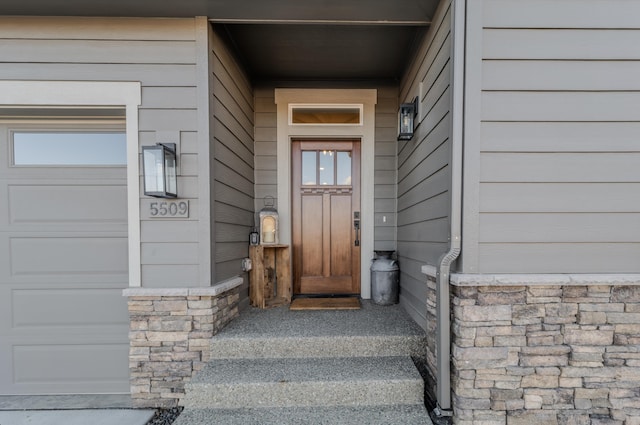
(159, 170)
(254, 237)
(406, 119)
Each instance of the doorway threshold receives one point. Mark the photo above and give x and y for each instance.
(325, 303)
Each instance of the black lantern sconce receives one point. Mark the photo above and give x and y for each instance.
(159, 170)
(268, 223)
(254, 237)
(406, 119)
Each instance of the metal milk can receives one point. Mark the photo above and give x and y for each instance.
(385, 278)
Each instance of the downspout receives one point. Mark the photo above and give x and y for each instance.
(443, 308)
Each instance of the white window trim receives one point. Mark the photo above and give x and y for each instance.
(88, 94)
(364, 131)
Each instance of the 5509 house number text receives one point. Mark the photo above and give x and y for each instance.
(167, 209)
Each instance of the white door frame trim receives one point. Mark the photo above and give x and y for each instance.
(365, 132)
(91, 94)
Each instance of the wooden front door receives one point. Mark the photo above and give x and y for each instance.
(326, 216)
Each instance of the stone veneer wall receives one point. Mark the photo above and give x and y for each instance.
(429, 370)
(564, 351)
(170, 337)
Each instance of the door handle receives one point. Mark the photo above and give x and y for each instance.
(356, 226)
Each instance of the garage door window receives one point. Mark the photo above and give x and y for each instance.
(81, 148)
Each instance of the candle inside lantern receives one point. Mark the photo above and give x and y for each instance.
(406, 122)
(268, 230)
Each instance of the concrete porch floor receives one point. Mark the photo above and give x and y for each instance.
(371, 320)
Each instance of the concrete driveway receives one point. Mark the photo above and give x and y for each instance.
(76, 417)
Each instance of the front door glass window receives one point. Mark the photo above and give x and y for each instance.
(309, 168)
(343, 168)
(326, 168)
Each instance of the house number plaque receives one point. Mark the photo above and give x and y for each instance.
(166, 209)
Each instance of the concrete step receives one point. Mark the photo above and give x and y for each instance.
(253, 347)
(372, 331)
(362, 415)
(276, 366)
(305, 382)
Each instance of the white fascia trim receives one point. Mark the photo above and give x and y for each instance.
(87, 94)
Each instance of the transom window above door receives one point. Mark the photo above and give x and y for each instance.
(326, 168)
(325, 114)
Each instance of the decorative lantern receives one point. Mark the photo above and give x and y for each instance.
(406, 119)
(159, 170)
(268, 223)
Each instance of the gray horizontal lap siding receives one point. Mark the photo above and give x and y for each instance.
(233, 163)
(559, 151)
(161, 54)
(266, 160)
(385, 174)
(424, 177)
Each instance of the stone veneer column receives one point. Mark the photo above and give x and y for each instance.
(429, 371)
(170, 333)
(546, 349)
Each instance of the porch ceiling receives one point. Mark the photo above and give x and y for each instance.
(324, 52)
(284, 39)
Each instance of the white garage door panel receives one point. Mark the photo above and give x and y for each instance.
(99, 309)
(46, 205)
(71, 368)
(63, 264)
(74, 256)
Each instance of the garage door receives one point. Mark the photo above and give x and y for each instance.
(63, 258)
